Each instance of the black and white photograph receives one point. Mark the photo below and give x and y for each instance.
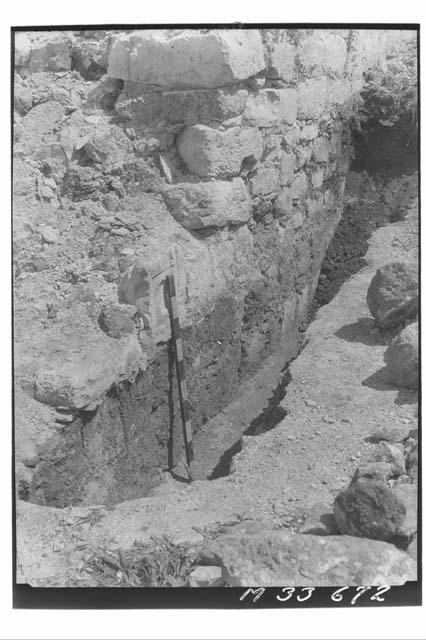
(215, 314)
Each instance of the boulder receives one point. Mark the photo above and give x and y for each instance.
(209, 204)
(271, 108)
(407, 494)
(392, 296)
(402, 358)
(391, 453)
(189, 59)
(108, 145)
(212, 153)
(276, 558)
(80, 378)
(117, 320)
(369, 509)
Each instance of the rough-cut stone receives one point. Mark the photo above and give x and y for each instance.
(280, 60)
(265, 181)
(110, 146)
(190, 59)
(402, 358)
(271, 108)
(369, 509)
(213, 153)
(312, 98)
(51, 53)
(392, 296)
(276, 558)
(287, 168)
(209, 204)
(323, 52)
(407, 493)
(117, 320)
(81, 379)
(376, 471)
(142, 108)
(210, 576)
(320, 150)
(392, 453)
(299, 186)
(283, 205)
(390, 433)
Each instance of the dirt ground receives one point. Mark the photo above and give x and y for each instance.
(336, 398)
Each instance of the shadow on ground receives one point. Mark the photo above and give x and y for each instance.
(379, 381)
(361, 331)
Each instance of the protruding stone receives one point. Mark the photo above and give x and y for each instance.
(209, 204)
(212, 153)
(393, 294)
(273, 558)
(190, 59)
(117, 320)
(402, 358)
(271, 107)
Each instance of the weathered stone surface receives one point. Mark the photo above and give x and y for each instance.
(390, 433)
(323, 52)
(412, 462)
(265, 181)
(392, 296)
(273, 558)
(376, 471)
(271, 107)
(407, 493)
(22, 49)
(320, 150)
(369, 509)
(190, 59)
(299, 186)
(142, 108)
(312, 98)
(117, 320)
(51, 52)
(212, 153)
(412, 548)
(210, 576)
(207, 204)
(288, 162)
(81, 379)
(110, 146)
(280, 60)
(392, 453)
(283, 205)
(402, 358)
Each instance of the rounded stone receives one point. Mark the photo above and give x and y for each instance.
(369, 509)
(402, 358)
(392, 296)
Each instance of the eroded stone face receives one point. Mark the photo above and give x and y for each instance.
(212, 153)
(209, 204)
(191, 59)
(271, 108)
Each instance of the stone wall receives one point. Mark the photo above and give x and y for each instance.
(217, 155)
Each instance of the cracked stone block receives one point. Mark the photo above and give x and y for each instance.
(271, 107)
(190, 59)
(212, 153)
(209, 204)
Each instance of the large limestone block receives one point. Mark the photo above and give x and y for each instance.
(81, 378)
(209, 204)
(402, 358)
(190, 59)
(393, 294)
(271, 107)
(212, 153)
(276, 558)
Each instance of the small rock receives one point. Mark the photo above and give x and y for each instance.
(120, 231)
(117, 320)
(376, 471)
(206, 577)
(386, 452)
(111, 202)
(391, 434)
(402, 358)
(369, 509)
(392, 296)
(328, 419)
(347, 420)
(49, 234)
(310, 403)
